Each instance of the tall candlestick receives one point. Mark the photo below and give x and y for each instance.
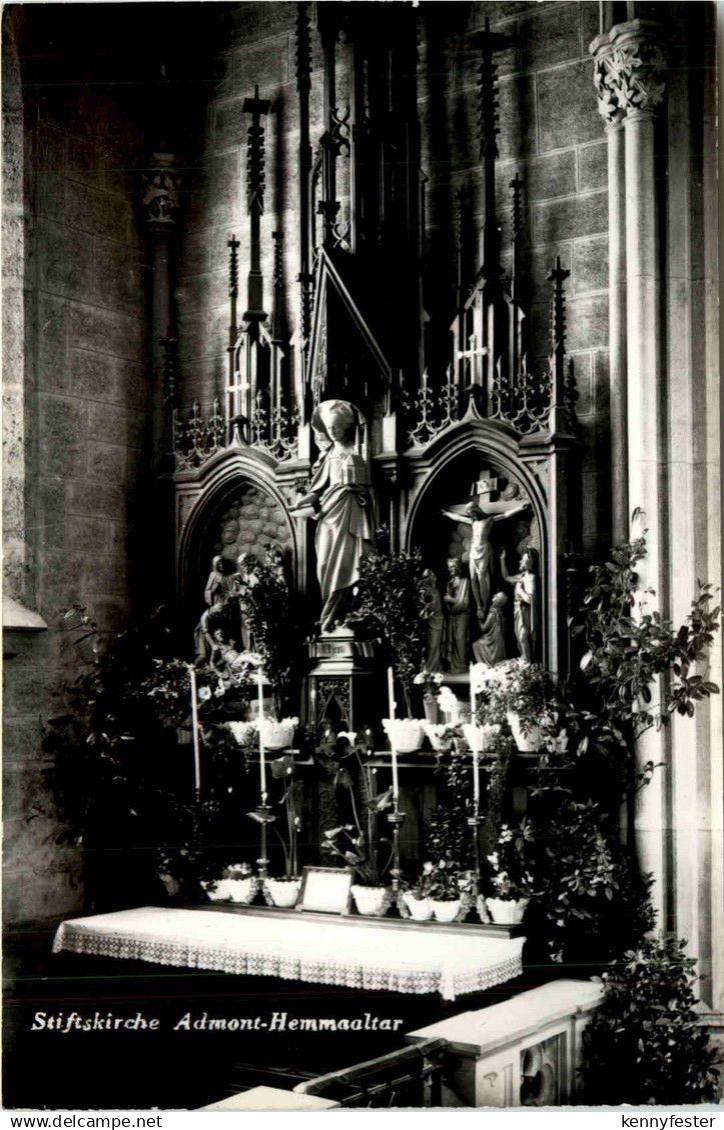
(472, 695)
(395, 782)
(195, 730)
(391, 692)
(262, 762)
(476, 781)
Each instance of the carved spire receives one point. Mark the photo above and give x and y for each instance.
(303, 48)
(488, 129)
(255, 183)
(557, 276)
(278, 285)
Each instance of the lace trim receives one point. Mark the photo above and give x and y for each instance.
(448, 983)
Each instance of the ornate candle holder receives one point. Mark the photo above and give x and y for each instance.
(396, 819)
(264, 816)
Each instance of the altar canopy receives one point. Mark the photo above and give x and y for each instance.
(329, 953)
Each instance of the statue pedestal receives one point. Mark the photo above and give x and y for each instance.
(343, 686)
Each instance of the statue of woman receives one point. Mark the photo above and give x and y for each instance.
(340, 497)
(457, 605)
(481, 548)
(490, 648)
(525, 604)
(433, 615)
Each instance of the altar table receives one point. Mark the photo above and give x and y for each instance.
(329, 953)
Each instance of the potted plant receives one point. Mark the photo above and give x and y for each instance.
(441, 735)
(518, 691)
(511, 881)
(349, 843)
(430, 682)
(284, 891)
(392, 600)
(417, 897)
(446, 887)
(278, 735)
(237, 884)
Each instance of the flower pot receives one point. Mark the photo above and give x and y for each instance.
(405, 734)
(479, 737)
(242, 731)
(242, 890)
(217, 890)
(432, 710)
(278, 735)
(420, 909)
(446, 910)
(527, 741)
(371, 900)
(284, 892)
(434, 732)
(507, 912)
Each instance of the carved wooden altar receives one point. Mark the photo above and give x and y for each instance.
(483, 422)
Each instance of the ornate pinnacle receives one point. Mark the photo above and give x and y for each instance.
(517, 206)
(233, 245)
(255, 180)
(303, 48)
(558, 331)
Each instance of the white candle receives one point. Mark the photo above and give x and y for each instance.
(195, 730)
(395, 782)
(476, 780)
(262, 762)
(391, 692)
(472, 696)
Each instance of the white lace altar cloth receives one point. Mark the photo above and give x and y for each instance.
(328, 953)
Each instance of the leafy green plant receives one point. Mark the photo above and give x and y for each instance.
(359, 844)
(266, 604)
(510, 864)
(645, 1043)
(441, 881)
(282, 768)
(391, 606)
(525, 689)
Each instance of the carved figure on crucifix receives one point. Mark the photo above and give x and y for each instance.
(525, 604)
(481, 516)
(339, 498)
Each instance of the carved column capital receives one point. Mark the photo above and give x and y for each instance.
(161, 193)
(629, 73)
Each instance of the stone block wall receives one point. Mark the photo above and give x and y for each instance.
(551, 135)
(76, 385)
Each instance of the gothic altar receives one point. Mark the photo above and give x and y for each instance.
(375, 428)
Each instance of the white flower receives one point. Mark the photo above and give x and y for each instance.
(350, 735)
(428, 868)
(204, 694)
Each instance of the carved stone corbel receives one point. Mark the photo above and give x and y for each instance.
(629, 69)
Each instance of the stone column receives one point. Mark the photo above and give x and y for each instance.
(629, 80)
(161, 206)
(161, 211)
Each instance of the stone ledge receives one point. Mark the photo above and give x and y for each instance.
(492, 1029)
(271, 1098)
(18, 618)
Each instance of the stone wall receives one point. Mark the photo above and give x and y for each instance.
(75, 382)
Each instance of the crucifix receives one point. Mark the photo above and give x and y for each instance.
(481, 515)
(473, 355)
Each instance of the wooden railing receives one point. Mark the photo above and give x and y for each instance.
(411, 1077)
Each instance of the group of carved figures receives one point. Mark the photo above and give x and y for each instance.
(339, 498)
(466, 604)
(222, 635)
